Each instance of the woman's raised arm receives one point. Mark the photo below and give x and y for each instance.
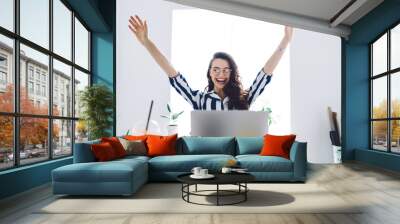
(273, 61)
(139, 28)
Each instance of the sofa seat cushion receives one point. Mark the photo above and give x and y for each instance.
(257, 163)
(185, 163)
(112, 171)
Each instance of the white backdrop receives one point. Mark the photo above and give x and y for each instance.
(310, 83)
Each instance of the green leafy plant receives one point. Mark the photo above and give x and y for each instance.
(172, 116)
(269, 111)
(96, 102)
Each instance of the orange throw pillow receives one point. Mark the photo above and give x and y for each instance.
(116, 145)
(277, 145)
(161, 145)
(103, 152)
(135, 137)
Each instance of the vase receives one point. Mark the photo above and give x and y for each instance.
(172, 129)
(337, 154)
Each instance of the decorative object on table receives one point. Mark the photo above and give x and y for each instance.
(96, 102)
(229, 165)
(335, 136)
(173, 118)
(238, 195)
(200, 173)
(236, 170)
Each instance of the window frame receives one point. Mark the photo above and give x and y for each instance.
(16, 114)
(388, 74)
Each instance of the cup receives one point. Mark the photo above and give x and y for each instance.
(226, 170)
(196, 171)
(203, 172)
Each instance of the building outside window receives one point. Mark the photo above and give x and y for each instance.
(34, 75)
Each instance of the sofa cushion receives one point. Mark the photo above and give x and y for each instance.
(277, 145)
(249, 145)
(257, 163)
(111, 171)
(206, 145)
(161, 145)
(116, 145)
(185, 163)
(103, 152)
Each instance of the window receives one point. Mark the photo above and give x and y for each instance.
(30, 87)
(3, 78)
(62, 31)
(37, 74)
(3, 61)
(44, 91)
(35, 22)
(62, 75)
(6, 74)
(30, 72)
(81, 45)
(385, 91)
(7, 14)
(54, 126)
(38, 89)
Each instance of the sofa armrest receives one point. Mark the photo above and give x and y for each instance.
(298, 155)
(83, 152)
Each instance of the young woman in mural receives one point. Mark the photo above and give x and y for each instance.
(224, 90)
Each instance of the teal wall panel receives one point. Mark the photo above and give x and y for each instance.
(24, 178)
(355, 84)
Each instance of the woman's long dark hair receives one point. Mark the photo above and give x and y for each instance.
(233, 89)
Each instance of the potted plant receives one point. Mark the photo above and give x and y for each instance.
(96, 102)
(269, 112)
(173, 118)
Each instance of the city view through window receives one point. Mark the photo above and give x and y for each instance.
(48, 74)
(385, 91)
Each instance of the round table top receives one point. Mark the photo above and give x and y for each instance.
(220, 178)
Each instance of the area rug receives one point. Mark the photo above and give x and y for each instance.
(167, 198)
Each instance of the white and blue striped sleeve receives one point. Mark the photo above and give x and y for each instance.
(258, 86)
(182, 87)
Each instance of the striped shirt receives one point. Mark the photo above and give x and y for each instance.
(210, 100)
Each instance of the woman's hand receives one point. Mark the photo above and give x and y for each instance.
(273, 61)
(288, 33)
(139, 28)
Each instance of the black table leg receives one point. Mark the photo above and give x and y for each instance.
(245, 193)
(217, 194)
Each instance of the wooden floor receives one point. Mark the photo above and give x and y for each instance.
(377, 188)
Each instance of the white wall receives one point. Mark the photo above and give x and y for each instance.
(315, 77)
(316, 84)
(139, 79)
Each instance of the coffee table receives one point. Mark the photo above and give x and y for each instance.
(238, 179)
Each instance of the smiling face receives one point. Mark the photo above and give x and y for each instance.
(220, 73)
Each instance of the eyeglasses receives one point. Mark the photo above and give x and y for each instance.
(218, 70)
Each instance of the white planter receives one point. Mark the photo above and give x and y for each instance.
(337, 154)
(172, 129)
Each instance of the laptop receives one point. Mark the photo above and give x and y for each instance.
(228, 123)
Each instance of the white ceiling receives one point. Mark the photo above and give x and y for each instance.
(320, 9)
(315, 15)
